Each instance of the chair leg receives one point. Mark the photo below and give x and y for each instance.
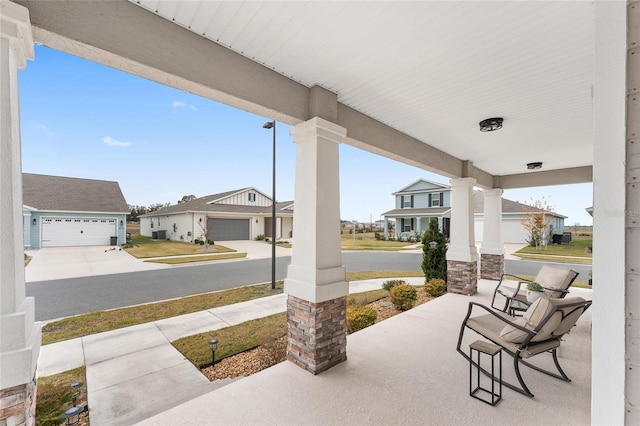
(561, 376)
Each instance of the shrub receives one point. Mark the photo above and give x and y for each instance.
(403, 296)
(434, 260)
(359, 317)
(435, 287)
(260, 237)
(534, 287)
(389, 284)
(211, 242)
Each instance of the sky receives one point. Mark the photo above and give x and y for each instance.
(85, 120)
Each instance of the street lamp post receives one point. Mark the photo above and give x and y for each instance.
(272, 125)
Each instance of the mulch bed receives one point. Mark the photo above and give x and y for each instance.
(250, 362)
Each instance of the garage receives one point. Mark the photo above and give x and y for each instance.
(228, 229)
(64, 231)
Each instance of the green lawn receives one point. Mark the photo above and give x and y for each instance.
(577, 248)
(363, 243)
(145, 247)
(191, 259)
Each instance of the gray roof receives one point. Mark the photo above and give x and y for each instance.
(202, 205)
(508, 206)
(58, 193)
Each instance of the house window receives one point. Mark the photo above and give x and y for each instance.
(435, 200)
(407, 201)
(252, 197)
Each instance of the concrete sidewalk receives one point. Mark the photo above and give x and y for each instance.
(134, 373)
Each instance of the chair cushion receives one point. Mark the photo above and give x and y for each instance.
(531, 320)
(554, 278)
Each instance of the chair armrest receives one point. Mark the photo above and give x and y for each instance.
(500, 317)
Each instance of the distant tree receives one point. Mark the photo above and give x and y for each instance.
(434, 260)
(135, 212)
(157, 206)
(186, 198)
(536, 221)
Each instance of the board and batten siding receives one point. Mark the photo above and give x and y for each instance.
(243, 199)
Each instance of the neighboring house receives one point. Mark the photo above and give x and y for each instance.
(419, 202)
(512, 213)
(64, 211)
(416, 205)
(242, 214)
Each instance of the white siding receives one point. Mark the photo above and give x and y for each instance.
(257, 227)
(183, 227)
(287, 227)
(242, 199)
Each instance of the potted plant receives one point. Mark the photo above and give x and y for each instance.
(534, 291)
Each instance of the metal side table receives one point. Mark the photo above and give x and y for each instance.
(485, 394)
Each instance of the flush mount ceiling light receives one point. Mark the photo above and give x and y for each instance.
(491, 124)
(535, 165)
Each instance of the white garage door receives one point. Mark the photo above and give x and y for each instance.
(62, 231)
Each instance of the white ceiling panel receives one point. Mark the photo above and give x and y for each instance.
(432, 70)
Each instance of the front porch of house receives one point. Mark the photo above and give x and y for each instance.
(404, 370)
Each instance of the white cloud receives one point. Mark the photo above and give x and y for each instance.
(44, 129)
(112, 142)
(180, 104)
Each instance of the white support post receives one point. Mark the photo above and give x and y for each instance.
(19, 334)
(462, 255)
(316, 282)
(492, 249)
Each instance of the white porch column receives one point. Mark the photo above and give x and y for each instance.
(615, 388)
(386, 228)
(19, 334)
(462, 255)
(316, 281)
(492, 249)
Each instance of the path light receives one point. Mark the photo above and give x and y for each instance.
(213, 345)
(433, 245)
(76, 385)
(272, 125)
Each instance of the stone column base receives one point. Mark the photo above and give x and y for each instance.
(18, 405)
(491, 266)
(316, 333)
(462, 277)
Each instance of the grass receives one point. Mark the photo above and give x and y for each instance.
(365, 243)
(233, 340)
(249, 335)
(55, 396)
(97, 322)
(101, 321)
(145, 247)
(191, 259)
(369, 275)
(577, 248)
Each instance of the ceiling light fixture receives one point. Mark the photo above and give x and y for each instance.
(491, 124)
(535, 165)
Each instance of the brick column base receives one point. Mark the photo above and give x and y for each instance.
(18, 405)
(462, 277)
(491, 266)
(316, 333)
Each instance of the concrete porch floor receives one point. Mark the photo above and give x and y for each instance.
(404, 370)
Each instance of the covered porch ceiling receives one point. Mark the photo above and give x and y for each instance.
(412, 80)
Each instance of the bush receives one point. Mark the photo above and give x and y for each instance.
(389, 284)
(260, 237)
(360, 317)
(403, 296)
(211, 242)
(435, 287)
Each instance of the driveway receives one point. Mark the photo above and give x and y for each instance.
(54, 263)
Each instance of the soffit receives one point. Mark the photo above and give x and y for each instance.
(431, 70)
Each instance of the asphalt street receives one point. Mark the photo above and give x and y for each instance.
(61, 298)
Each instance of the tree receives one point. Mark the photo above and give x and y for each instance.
(536, 221)
(186, 198)
(157, 206)
(434, 257)
(136, 211)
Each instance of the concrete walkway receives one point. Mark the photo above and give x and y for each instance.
(134, 373)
